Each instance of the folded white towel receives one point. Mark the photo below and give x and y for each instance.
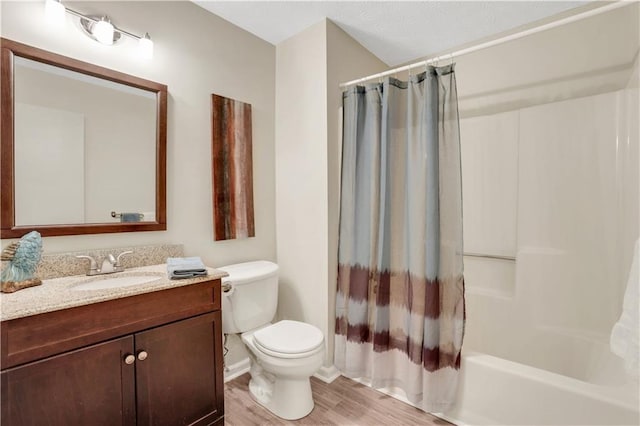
(624, 336)
(185, 267)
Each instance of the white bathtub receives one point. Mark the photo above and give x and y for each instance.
(495, 391)
(515, 372)
(520, 369)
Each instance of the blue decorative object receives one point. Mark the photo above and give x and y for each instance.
(23, 256)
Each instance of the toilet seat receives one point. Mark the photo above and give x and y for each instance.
(288, 339)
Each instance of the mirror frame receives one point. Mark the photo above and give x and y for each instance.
(8, 228)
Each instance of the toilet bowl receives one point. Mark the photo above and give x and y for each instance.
(281, 365)
(283, 355)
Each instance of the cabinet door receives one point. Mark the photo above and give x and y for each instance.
(177, 384)
(89, 386)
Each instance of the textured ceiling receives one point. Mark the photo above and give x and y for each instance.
(394, 31)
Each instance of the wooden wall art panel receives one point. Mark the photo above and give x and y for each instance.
(232, 169)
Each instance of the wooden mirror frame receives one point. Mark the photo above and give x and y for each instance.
(8, 228)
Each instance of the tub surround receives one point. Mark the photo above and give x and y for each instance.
(542, 324)
(58, 293)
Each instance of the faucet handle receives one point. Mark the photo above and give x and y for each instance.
(120, 255)
(93, 265)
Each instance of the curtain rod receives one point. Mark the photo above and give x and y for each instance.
(611, 6)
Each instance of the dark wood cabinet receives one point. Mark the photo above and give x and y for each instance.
(176, 383)
(166, 369)
(89, 386)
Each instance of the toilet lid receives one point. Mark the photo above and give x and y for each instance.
(289, 337)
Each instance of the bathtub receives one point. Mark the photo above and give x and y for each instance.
(496, 391)
(516, 370)
(536, 348)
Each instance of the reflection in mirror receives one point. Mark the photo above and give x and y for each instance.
(83, 148)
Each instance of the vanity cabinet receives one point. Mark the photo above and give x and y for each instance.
(150, 359)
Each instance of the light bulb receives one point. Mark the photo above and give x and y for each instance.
(145, 47)
(54, 11)
(103, 31)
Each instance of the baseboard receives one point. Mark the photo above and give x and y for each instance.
(327, 374)
(235, 370)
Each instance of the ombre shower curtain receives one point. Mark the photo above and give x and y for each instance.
(400, 300)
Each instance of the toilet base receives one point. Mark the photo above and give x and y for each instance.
(287, 398)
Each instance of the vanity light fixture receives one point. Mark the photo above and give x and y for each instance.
(145, 47)
(98, 28)
(103, 30)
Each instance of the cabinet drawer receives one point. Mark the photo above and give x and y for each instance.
(35, 337)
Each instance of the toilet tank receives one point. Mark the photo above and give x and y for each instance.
(253, 298)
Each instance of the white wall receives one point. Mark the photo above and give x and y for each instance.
(301, 176)
(196, 54)
(310, 67)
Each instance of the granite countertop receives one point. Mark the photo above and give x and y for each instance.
(58, 293)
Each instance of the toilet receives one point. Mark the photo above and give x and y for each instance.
(283, 355)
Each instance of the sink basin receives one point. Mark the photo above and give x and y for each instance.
(115, 282)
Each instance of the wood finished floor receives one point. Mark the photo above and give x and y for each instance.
(343, 402)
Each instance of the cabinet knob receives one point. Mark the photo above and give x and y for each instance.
(142, 355)
(129, 359)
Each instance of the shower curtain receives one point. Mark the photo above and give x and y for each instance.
(400, 297)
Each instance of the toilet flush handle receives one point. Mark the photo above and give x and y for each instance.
(228, 288)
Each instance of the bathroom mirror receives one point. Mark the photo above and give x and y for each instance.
(83, 148)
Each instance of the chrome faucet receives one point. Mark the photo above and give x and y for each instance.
(110, 264)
